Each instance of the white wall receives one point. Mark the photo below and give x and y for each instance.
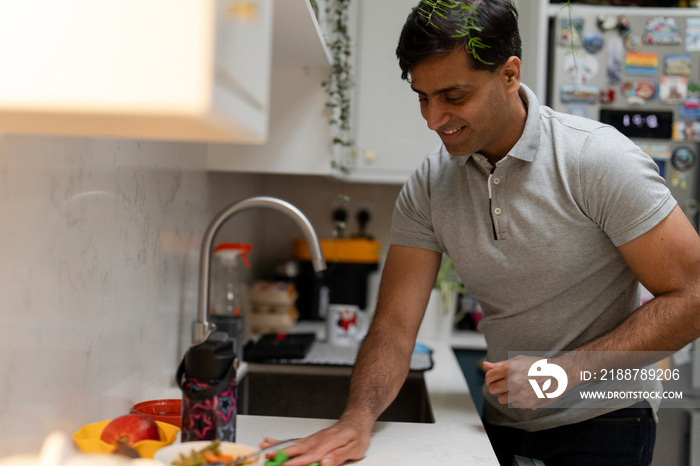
(99, 243)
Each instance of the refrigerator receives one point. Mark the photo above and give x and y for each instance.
(638, 69)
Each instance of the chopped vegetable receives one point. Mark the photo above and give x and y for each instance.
(281, 457)
(209, 454)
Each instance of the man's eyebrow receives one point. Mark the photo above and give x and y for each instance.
(456, 87)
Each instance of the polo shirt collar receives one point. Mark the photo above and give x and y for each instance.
(526, 147)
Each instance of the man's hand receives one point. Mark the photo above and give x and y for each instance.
(333, 446)
(510, 381)
(382, 362)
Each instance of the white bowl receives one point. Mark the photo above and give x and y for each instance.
(172, 452)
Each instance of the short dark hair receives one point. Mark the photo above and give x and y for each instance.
(421, 40)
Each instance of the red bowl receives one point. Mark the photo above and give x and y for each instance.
(169, 411)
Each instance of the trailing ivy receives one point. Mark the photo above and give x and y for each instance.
(340, 83)
(470, 26)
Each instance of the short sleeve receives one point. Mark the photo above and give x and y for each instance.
(621, 187)
(412, 221)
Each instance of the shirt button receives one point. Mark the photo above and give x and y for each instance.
(497, 211)
(496, 181)
(477, 159)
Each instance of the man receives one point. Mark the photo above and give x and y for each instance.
(552, 221)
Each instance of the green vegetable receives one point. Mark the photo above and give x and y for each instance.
(281, 457)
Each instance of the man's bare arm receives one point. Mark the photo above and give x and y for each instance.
(666, 260)
(383, 360)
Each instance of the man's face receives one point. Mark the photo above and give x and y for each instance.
(467, 108)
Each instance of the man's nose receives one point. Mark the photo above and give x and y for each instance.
(435, 115)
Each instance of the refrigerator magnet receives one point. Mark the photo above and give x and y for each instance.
(683, 158)
(623, 25)
(690, 108)
(580, 69)
(657, 151)
(583, 93)
(673, 89)
(607, 95)
(686, 130)
(692, 35)
(593, 42)
(615, 60)
(644, 64)
(677, 65)
(639, 91)
(662, 30)
(606, 22)
(633, 42)
(570, 31)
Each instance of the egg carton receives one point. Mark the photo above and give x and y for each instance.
(271, 293)
(273, 322)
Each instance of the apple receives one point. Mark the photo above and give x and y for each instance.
(129, 429)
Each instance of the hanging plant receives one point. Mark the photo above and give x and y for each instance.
(574, 37)
(470, 28)
(339, 85)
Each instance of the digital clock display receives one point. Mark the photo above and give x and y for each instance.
(640, 124)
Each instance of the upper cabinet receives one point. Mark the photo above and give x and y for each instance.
(196, 70)
(391, 135)
(299, 139)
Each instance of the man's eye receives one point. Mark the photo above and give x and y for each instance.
(453, 99)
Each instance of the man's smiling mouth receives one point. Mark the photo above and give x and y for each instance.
(451, 131)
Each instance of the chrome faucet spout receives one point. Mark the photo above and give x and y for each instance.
(203, 327)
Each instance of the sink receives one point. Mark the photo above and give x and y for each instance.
(321, 392)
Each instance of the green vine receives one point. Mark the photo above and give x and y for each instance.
(469, 29)
(339, 84)
(574, 33)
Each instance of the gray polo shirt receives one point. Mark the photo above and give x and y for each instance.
(541, 257)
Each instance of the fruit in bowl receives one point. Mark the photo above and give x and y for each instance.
(129, 429)
(88, 438)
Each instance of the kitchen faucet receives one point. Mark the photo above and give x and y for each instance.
(203, 327)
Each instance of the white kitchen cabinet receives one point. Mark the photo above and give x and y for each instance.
(161, 69)
(299, 140)
(392, 138)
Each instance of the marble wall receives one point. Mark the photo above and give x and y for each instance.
(99, 247)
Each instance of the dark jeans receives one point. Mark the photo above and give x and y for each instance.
(621, 438)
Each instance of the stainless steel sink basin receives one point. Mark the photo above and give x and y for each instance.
(313, 392)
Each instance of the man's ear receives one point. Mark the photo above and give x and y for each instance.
(511, 73)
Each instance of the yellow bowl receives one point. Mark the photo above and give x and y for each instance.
(88, 439)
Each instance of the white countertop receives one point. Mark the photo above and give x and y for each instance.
(457, 436)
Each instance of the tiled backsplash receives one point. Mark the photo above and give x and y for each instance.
(98, 253)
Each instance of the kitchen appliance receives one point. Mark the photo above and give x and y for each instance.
(349, 265)
(635, 69)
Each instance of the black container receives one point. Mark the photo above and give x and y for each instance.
(341, 283)
(207, 377)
